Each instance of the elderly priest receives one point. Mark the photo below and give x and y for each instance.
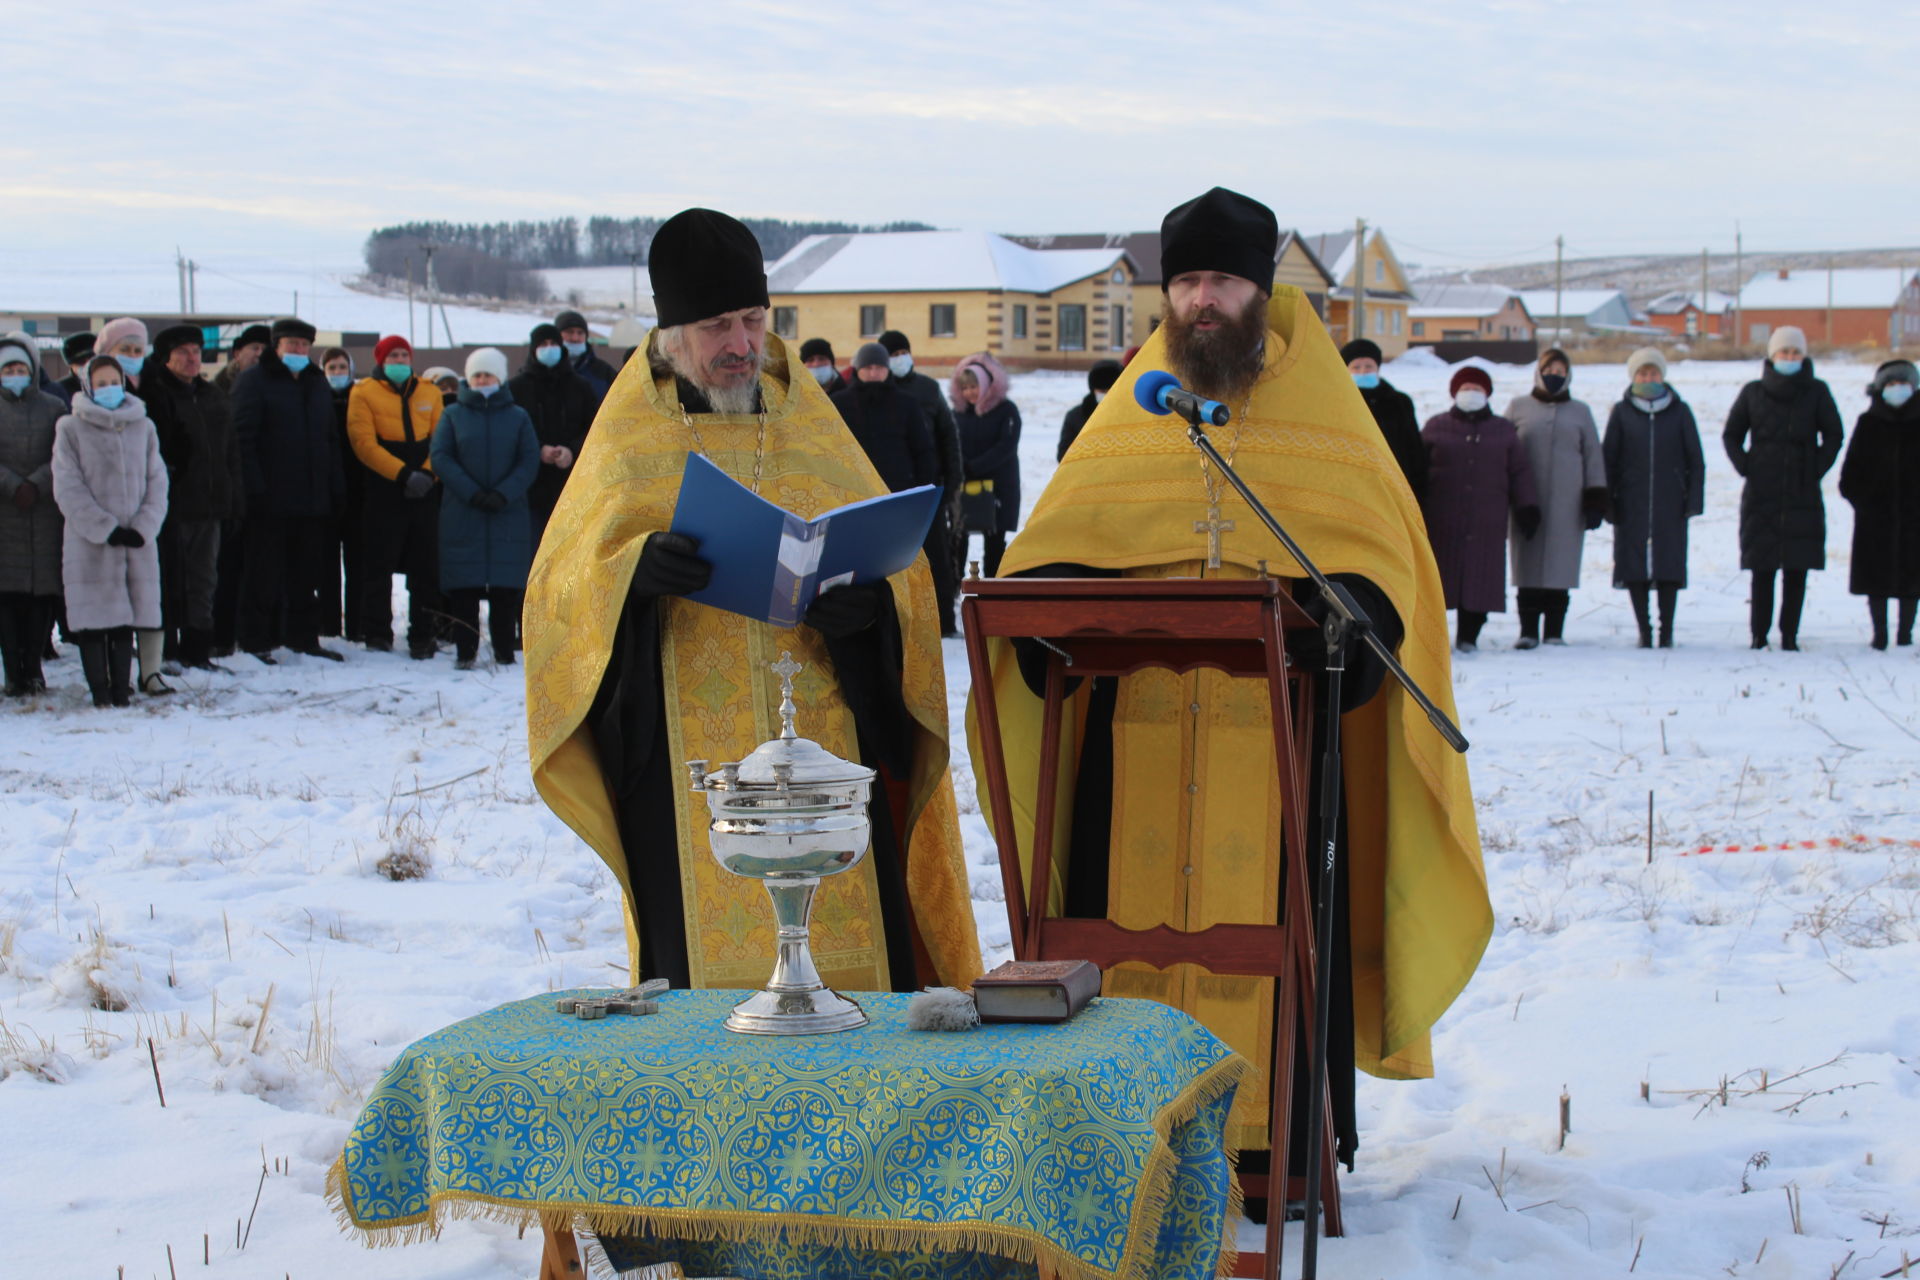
(1170, 783)
(626, 679)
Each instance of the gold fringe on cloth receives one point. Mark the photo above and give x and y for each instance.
(1014, 1243)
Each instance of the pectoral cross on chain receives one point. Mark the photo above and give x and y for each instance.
(1213, 526)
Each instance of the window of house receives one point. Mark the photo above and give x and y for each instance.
(940, 320)
(786, 322)
(1419, 328)
(1119, 327)
(873, 321)
(1379, 270)
(1396, 322)
(1073, 326)
(1019, 319)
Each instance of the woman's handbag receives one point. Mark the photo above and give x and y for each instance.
(979, 509)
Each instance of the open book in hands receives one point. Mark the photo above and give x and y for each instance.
(769, 564)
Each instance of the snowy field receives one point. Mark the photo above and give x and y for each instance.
(1737, 1033)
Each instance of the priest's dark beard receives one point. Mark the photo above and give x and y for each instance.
(1221, 364)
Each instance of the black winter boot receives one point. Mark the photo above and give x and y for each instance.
(1638, 594)
(1909, 605)
(120, 665)
(1669, 601)
(1877, 614)
(93, 664)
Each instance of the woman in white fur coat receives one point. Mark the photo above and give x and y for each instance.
(111, 487)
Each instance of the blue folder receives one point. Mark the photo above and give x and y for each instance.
(769, 564)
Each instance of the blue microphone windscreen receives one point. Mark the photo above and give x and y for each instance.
(1147, 390)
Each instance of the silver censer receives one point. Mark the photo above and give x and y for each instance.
(789, 815)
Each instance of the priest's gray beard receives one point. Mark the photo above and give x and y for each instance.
(733, 396)
(1221, 364)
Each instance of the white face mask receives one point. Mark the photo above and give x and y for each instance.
(823, 374)
(901, 365)
(1471, 400)
(1098, 396)
(1897, 393)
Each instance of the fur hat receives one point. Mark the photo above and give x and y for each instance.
(175, 336)
(703, 263)
(1647, 356)
(571, 320)
(115, 332)
(1103, 375)
(1893, 371)
(487, 360)
(895, 342)
(870, 355)
(1469, 373)
(1360, 349)
(77, 348)
(291, 327)
(388, 345)
(814, 348)
(1220, 231)
(1787, 335)
(254, 333)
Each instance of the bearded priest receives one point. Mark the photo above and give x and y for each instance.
(1170, 781)
(626, 679)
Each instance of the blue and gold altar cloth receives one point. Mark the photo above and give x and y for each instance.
(1089, 1150)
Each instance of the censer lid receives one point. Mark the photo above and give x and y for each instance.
(790, 758)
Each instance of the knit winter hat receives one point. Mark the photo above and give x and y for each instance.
(439, 373)
(291, 327)
(487, 360)
(1220, 231)
(115, 332)
(11, 350)
(388, 345)
(703, 263)
(572, 320)
(1647, 356)
(1103, 375)
(895, 342)
(813, 348)
(77, 348)
(543, 333)
(1469, 374)
(1360, 349)
(870, 355)
(1787, 335)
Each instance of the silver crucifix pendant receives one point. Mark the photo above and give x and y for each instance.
(634, 1001)
(1213, 526)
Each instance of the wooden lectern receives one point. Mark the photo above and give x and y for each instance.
(1111, 627)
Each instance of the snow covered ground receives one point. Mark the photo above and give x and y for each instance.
(200, 874)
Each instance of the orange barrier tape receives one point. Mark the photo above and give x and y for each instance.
(1856, 843)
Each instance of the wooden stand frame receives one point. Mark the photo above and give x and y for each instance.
(1113, 627)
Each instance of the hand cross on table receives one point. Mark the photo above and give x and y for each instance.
(635, 1001)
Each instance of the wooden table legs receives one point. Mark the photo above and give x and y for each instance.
(560, 1257)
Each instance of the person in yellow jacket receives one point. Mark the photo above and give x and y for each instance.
(391, 415)
(1170, 790)
(626, 678)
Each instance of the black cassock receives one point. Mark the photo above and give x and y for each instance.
(1089, 843)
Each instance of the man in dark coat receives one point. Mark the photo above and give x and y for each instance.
(561, 404)
(581, 357)
(1392, 408)
(242, 356)
(204, 485)
(1881, 478)
(1100, 379)
(290, 457)
(1783, 435)
(817, 355)
(946, 444)
(888, 425)
(76, 350)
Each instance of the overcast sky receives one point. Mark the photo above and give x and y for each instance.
(1471, 133)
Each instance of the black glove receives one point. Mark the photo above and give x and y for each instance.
(415, 482)
(125, 537)
(845, 611)
(669, 567)
(1593, 507)
(488, 500)
(1528, 518)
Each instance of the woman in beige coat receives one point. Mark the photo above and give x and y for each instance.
(111, 486)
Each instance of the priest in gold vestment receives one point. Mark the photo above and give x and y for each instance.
(626, 680)
(1170, 800)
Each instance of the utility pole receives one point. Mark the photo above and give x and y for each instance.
(1739, 287)
(1703, 292)
(193, 286)
(409, 301)
(180, 269)
(1359, 307)
(633, 260)
(428, 250)
(1829, 300)
(1559, 318)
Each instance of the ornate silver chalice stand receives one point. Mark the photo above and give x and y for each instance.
(789, 815)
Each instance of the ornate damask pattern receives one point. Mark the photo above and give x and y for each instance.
(1094, 1147)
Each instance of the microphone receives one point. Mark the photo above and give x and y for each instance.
(1161, 392)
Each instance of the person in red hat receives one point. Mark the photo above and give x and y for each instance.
(1477, 472)
(391, 415)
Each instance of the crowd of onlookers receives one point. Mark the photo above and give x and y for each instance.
(163, 518)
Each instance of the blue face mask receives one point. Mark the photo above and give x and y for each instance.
(339, 381)
(109, 397)
(486, 391)
(1366, 381)
(130, 365)
(1649, 390)
(548, 356)
(1787, 368)
(296, 365)
(15, 383)
(1894, 393)
(576, 349)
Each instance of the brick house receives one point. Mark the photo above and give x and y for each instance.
(1860, 306)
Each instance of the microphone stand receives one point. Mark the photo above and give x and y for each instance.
(1345, 622)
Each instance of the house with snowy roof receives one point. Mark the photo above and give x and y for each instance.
(1294, 264)
(1858, 306)
(1573, 314)
(1388, 290)
(953, 293)
(1461, 311)
(1693, 314)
